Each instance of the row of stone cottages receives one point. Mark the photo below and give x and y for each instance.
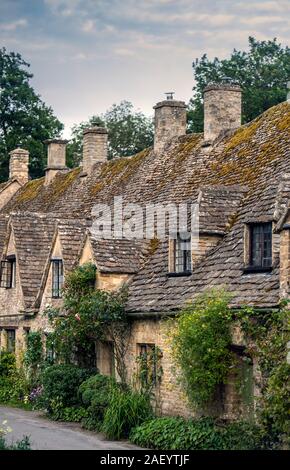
(237, 174)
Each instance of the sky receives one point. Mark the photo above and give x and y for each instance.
(88, 54)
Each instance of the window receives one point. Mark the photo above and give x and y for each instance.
(182, 255)
(8, 272)
(148, 364)
(261, 246)
(57, 278)
(10, 341)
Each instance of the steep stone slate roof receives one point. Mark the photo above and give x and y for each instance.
(72, 233)
(251, 162)
(217, 204)
(33, 236)
(118, 255)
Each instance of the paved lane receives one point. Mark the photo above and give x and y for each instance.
(50, 435)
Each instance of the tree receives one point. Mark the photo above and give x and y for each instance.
(262, 72)
(25, 120)
(129, 132)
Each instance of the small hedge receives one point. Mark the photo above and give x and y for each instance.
(60, 386)
(199, 434)
(95, 396)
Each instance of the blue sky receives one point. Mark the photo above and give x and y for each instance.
(88, 54)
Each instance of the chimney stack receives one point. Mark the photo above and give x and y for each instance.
(222, 108)
(55, 158)
(95, 147)
(18, 166)
(170, 121)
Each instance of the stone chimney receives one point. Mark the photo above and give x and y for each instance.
(55, 158)
(222, 109)
(95, 147)
(18, 167)
(170, 121)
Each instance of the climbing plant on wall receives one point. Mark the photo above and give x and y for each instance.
(88, 315)
(201, 341)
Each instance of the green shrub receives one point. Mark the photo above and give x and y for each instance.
(95, 395)
(14, 387)
(73, 414)
(23, 444)
(198, 434)
(61, 383)
(7, 363)
(126, 410)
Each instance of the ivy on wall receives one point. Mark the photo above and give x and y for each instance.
(201, 341)
(88, 315)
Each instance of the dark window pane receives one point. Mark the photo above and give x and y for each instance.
(8, 273)
(261, 245)
(182, 255)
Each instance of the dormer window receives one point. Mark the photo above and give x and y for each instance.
(8, 272)
(259, 251)
(57, 278)
(180, 256)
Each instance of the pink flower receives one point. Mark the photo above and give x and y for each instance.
(77, 317)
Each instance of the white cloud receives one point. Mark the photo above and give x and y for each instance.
(88, 26)
(13, 25)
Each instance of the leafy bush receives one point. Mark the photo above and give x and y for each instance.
(95, 395)
(198, 434)
(58, 412)
(200, 341)
(23, 444)
(14, 387)
(61, 383)
(7, 363)
(126, 410)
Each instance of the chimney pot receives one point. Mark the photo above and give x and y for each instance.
(18, 166)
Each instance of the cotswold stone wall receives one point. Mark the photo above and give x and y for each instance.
(230, 400)
(171, 399)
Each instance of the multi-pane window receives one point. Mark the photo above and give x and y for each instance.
(261, 245)
(10, 341)
(57, 278)
(8, 272)
(182, 255)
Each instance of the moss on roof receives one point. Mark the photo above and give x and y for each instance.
(121, 168)
(30, 191)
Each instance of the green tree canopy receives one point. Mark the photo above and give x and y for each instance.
(263, 72)
(130, 132)
(25, 120)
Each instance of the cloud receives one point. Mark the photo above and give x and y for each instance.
(22, 22)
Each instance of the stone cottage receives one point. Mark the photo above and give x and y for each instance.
(237, 174)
